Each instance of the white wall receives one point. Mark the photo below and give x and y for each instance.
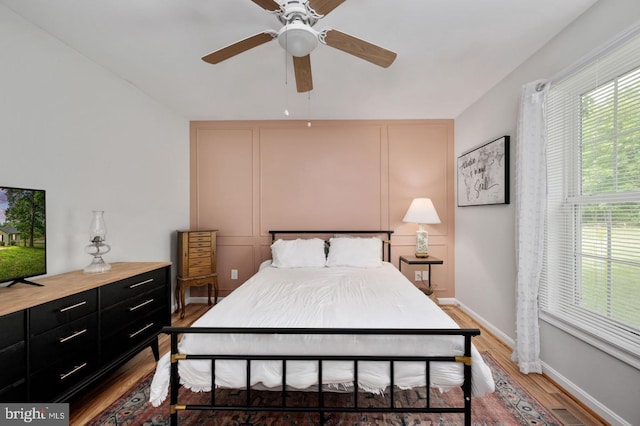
(485, 257)
(93, 142)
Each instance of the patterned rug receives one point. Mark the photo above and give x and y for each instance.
(509, 405)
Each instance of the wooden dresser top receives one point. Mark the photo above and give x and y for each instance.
(23, 296)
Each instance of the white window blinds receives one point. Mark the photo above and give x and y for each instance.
(591, 272)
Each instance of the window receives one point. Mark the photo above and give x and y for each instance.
(591, 274)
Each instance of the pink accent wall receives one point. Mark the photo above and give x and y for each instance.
(248, 177)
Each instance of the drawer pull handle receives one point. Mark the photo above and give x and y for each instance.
(75, 370)
(74, 335)
(141, 283)
(146, 302)
(132, 335)
(77, 305)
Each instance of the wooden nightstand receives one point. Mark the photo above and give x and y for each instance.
(196, 264)
(431, 260)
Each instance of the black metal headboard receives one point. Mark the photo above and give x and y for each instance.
(341, 232)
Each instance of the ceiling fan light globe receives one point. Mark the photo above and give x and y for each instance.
(298, 39)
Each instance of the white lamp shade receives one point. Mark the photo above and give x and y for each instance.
(298, 39)
(421, 211)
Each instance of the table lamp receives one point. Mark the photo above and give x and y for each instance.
(422, 212)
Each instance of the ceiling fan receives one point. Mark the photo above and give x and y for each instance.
(298, 38)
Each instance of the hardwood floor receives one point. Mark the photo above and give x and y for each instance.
(91, 403)
(545, 390)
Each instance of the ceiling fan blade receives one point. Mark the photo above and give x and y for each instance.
(323, 7)
(270, 5)
(302, 70)
(238, 47)
(360, 48)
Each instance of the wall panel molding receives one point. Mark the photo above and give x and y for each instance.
(251, 176)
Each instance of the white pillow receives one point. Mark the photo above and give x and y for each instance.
(265, 264)
(300, 253)
(356, 252)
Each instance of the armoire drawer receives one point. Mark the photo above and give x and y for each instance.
(62, 311)
(78, 337)
(201, 271)
(131, 287)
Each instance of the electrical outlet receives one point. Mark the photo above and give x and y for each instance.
(234, 274)
(425, 275)
(418, 276)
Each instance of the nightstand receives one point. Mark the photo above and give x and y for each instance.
(431, 260)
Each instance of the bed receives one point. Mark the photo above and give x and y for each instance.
(323, 315)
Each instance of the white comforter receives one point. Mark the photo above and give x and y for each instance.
(337, 297)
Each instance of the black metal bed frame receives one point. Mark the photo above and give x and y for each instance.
(320, 408)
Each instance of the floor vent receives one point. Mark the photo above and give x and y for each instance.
(566, 417)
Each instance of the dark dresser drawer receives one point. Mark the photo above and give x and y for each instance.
(120, 316)
(12, 328)
(13, 357)
(131, 287)
(15, 392)
(54, 380)
(133, 335)
(13, 361)
(78, 337)
(61, 311)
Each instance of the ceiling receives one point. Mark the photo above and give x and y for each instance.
(450, 52)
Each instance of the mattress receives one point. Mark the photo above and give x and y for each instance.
(324, 297)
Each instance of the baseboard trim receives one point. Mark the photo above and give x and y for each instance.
(200, 299)
(585, 398)
(577, 392)
(486, 324)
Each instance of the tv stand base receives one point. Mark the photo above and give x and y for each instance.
(25, 282)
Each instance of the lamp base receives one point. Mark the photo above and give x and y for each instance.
(422, 243)
(97, 266)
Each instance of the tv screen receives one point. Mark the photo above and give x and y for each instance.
(23, 252)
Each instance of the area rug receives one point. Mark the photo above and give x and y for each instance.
(509, 405)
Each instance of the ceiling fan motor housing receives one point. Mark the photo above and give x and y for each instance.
(297, 10)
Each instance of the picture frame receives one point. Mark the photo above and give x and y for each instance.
(483, 174)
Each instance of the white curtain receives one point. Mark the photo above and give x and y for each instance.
(530, 212)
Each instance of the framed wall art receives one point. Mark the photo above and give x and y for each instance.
(483, 174)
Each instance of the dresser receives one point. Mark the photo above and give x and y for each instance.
(196, 264)
(57, 339)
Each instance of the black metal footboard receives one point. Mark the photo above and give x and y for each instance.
(320, 408)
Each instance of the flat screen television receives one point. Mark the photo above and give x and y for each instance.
(23, 242)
